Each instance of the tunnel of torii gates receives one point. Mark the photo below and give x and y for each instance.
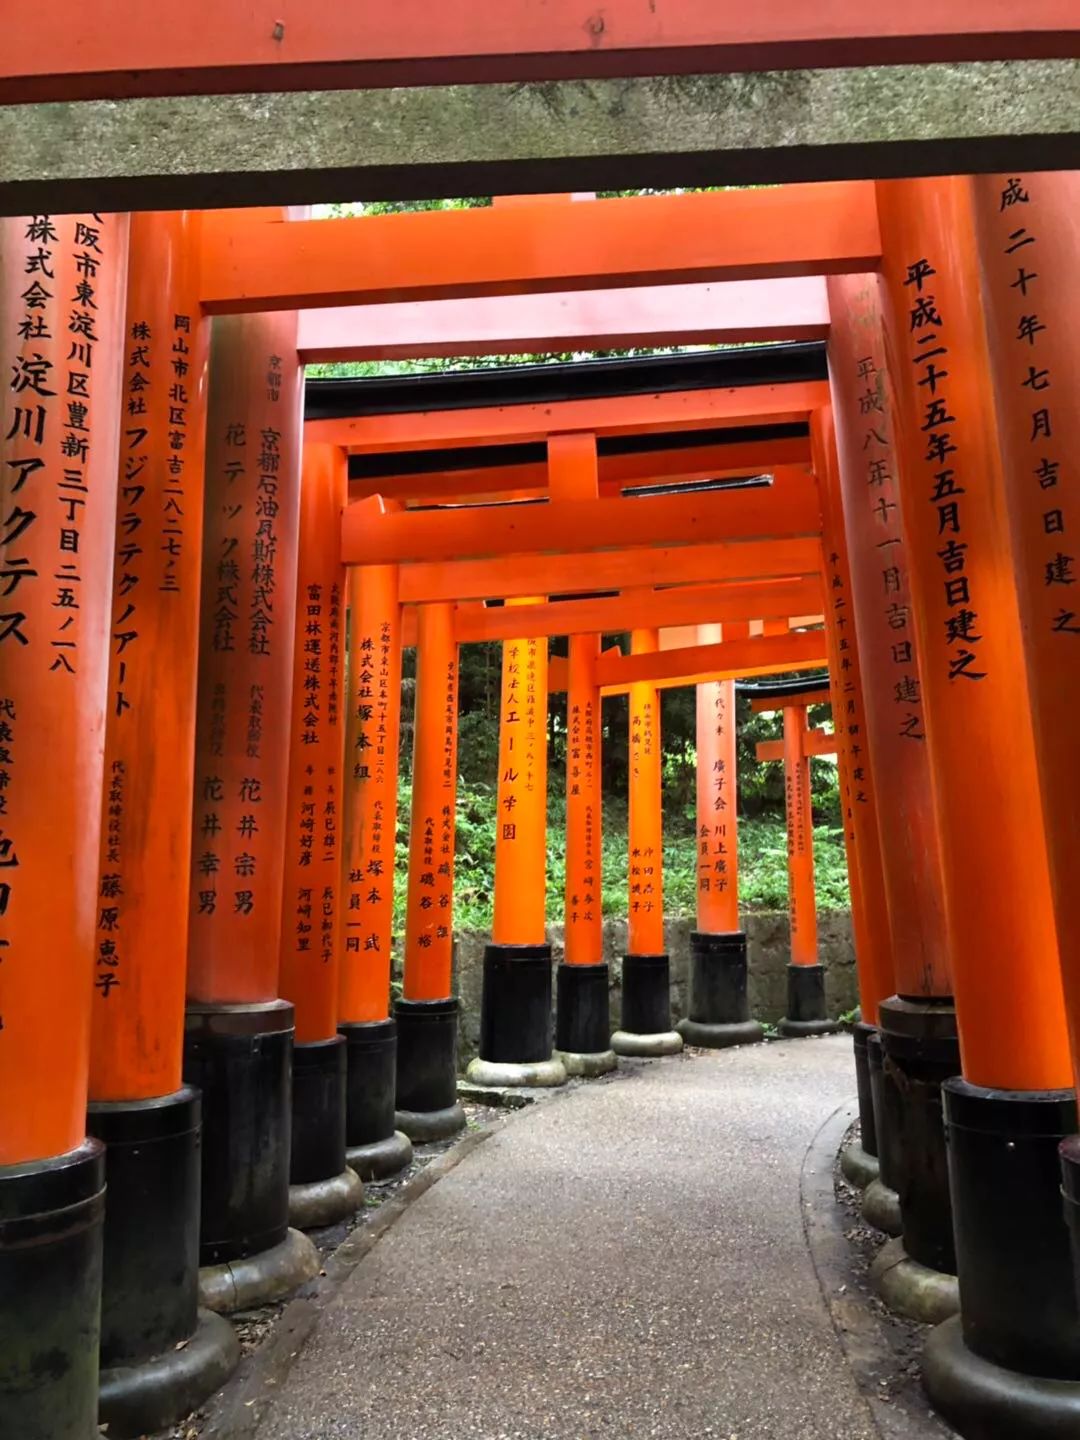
(210, 573)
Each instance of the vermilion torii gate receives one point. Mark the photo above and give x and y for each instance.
(948, 686)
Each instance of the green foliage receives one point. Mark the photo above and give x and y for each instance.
(762, 858)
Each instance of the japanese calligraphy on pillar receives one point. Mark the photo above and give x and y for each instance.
(716, 793)
(61, 318)
(429, 912)
(583, 895)
(928, 352)
(373, 712)
(646, 868)
(521, 834)
(246, 660)
(1024, 297)
(142, 911)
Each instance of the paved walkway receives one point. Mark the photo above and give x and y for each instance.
(628, 1261)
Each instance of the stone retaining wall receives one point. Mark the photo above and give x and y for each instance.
(768, 937)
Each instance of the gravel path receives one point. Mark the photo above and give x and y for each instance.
(627, 1260)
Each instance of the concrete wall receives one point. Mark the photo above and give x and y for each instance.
(768, 937)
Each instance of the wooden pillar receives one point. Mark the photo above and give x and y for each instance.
(140, 1108)
(717, 795)
(370, 789)
(646, 1002)
(61, 347)
(718, 1008)
(583, 1026)
(918, 1024)
(1027, 236)
(322, 1189)
(515, 1015)
(427, 1013)
(239, 1037)
(1010, 1237)
(583, 930)
(802, 901)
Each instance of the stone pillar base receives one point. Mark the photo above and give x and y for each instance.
(423, 1127)
(806, 1004)
(325, 1202)
(990, 1402)
(136, 1399)
(911, 1289)
(720, 1037)
(881, 1208)
(858, 1168)
(646, 1047)
(589, 1065)
(540, 1073)
(257, 1279)
(381, 1160)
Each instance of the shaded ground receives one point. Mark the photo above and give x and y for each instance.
(627, 1260)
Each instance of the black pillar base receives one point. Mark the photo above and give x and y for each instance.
(583, 1009)
(51, 1214)
(881, 1200)
(1011, 1369)
(153, 1371)
(136, 1399)
(515, 1006)
(861, 1033)
(373, 1147)
(645, 1028)
(922, 1050)
(322, 1190)
(806, 1003)
(1069, 1155)
(240, 1057)
(718, 1011)
(426, 1097)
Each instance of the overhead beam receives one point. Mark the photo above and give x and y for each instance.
(253, 264)
(374, 535)
(814, 742)
(64, 52)
(698, 462)
(199, 152)
(699, 664)
(507, 577)
(610, 415)
(681, 605)
(764, 705)
(739, 311)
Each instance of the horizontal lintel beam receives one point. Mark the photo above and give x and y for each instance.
(698, 664)
(251, 264)
(815, 742)
(63, 52)
(372, 535)
(610, 415)
(739, 311)
(570, 574)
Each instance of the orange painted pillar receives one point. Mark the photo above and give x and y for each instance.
(717, 831)
(582, 1018)
(870, 916)
(718, 1009)
(370, 788)
(802, 902)
(148, 1119)
(646, 989)
(239, 1037)
(584, 920)
(918, 1024)
(61, 343)
(1027, 235)
(322, 1189)
(427, 1013)
(515, 1013)
(1010, 1237)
